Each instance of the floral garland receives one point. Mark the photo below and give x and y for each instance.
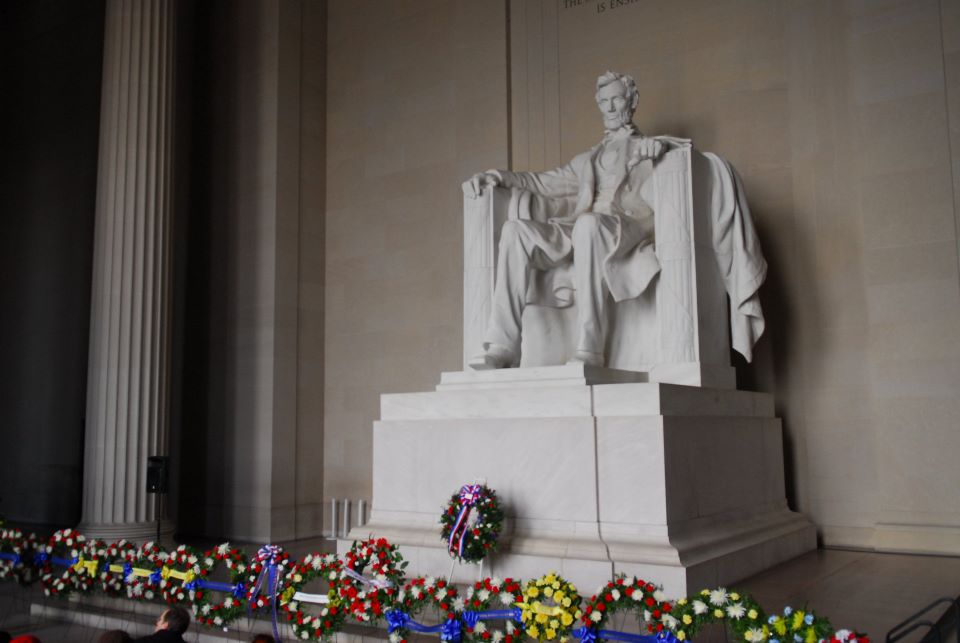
(554, 619)
(634, 595)
(231, 607)
(113, 571)
(742, 615)
(331, 616)
(144, 571)
(471, 540)
(177, 577)
(367, 599)
(63, 546)
(17, 553)
(418, 594)
(491, 594)
(259, 593)
(795, 625)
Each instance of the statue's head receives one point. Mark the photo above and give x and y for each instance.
(617, 99)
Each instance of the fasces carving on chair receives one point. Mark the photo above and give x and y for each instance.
(613, 233)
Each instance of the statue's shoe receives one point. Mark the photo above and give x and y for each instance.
(586, 357)
(495, 356)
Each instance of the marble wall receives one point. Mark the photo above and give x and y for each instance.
(844, 119)
(417, 99)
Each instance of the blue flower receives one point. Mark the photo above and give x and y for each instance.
(774, 641)
(798, 638)
(787, 611)
(771, 620)
(808, 619)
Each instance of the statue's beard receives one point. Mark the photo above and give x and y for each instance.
(617, 121)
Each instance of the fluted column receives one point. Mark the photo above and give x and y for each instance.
(128, 377)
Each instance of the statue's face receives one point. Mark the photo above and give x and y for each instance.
(614, 103)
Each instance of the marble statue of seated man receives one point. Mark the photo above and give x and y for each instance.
(595, 238)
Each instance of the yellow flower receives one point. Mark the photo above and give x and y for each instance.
(811, 636)
(533, 592)
(682, 601)
(297, 578)
(687, 619)
(541, 618)
(566, 619)
(557, 595)
(548, 592)
(551, 634)
(566, 602)
(681, 636)
(533, 631)
(554, 623)
(549, 578)
(752, 613)
(704, 592)
(577, 614)
(780, 626)
(556, 585)
(797, 623)
(734, 596)
(718, 613)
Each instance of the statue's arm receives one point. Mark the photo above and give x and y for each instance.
(556, 183)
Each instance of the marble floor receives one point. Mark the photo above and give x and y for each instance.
(866, 591)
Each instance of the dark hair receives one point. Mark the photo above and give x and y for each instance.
(115, 636)
(263, 638)
(177, 619)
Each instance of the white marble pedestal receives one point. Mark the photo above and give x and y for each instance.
(600, 472)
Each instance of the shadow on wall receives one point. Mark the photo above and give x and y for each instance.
(50, 71)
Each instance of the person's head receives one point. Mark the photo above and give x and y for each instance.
(263, 638)
(617, 98)
(176, 619)
(114, 636)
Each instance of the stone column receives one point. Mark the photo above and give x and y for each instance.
(128, 377)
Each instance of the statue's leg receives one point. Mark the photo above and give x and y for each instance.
(594, 236)
(519, 240)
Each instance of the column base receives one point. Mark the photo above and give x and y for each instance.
(138, 532)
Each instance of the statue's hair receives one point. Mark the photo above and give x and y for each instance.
(627, 81)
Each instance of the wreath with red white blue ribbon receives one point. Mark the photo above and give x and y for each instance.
(472, 522)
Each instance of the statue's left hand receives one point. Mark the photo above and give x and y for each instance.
(649, 148)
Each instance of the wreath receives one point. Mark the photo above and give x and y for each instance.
(224, 612)
(634, 595)
(180, 572)
(417, 595)
(144, 571)
(366, 598)
(115, 568)
(16, 551)
(63, 549)
(293, 600)
(742, 614)
(795, 625)
(549, 608)
(264, 575)
(492, 595)
(471, 523)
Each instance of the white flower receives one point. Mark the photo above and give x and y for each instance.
(670, 621)
(223, 549)
(196, 569)
(755, 635)
(205, 609)
(483, 594)
(304, 635)
(843, 635)
(737, 611)
(718, 596)
(69, 541)
(699, 607)
(217, 620)
(469, 592)
(497, 636)
(510, 627)
(506, 598)
(647, 615)
(208, 562)
(495, 581)
(394, 637)
(441, 593)
(293, 606)
(480, 627)
(659, 596)
(595, 616)
(429, 581)
(616, 594)
(148, 594)
(458, 604)
(228, 601)
(241, 567)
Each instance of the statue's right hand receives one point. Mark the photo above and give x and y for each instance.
(475, 185)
